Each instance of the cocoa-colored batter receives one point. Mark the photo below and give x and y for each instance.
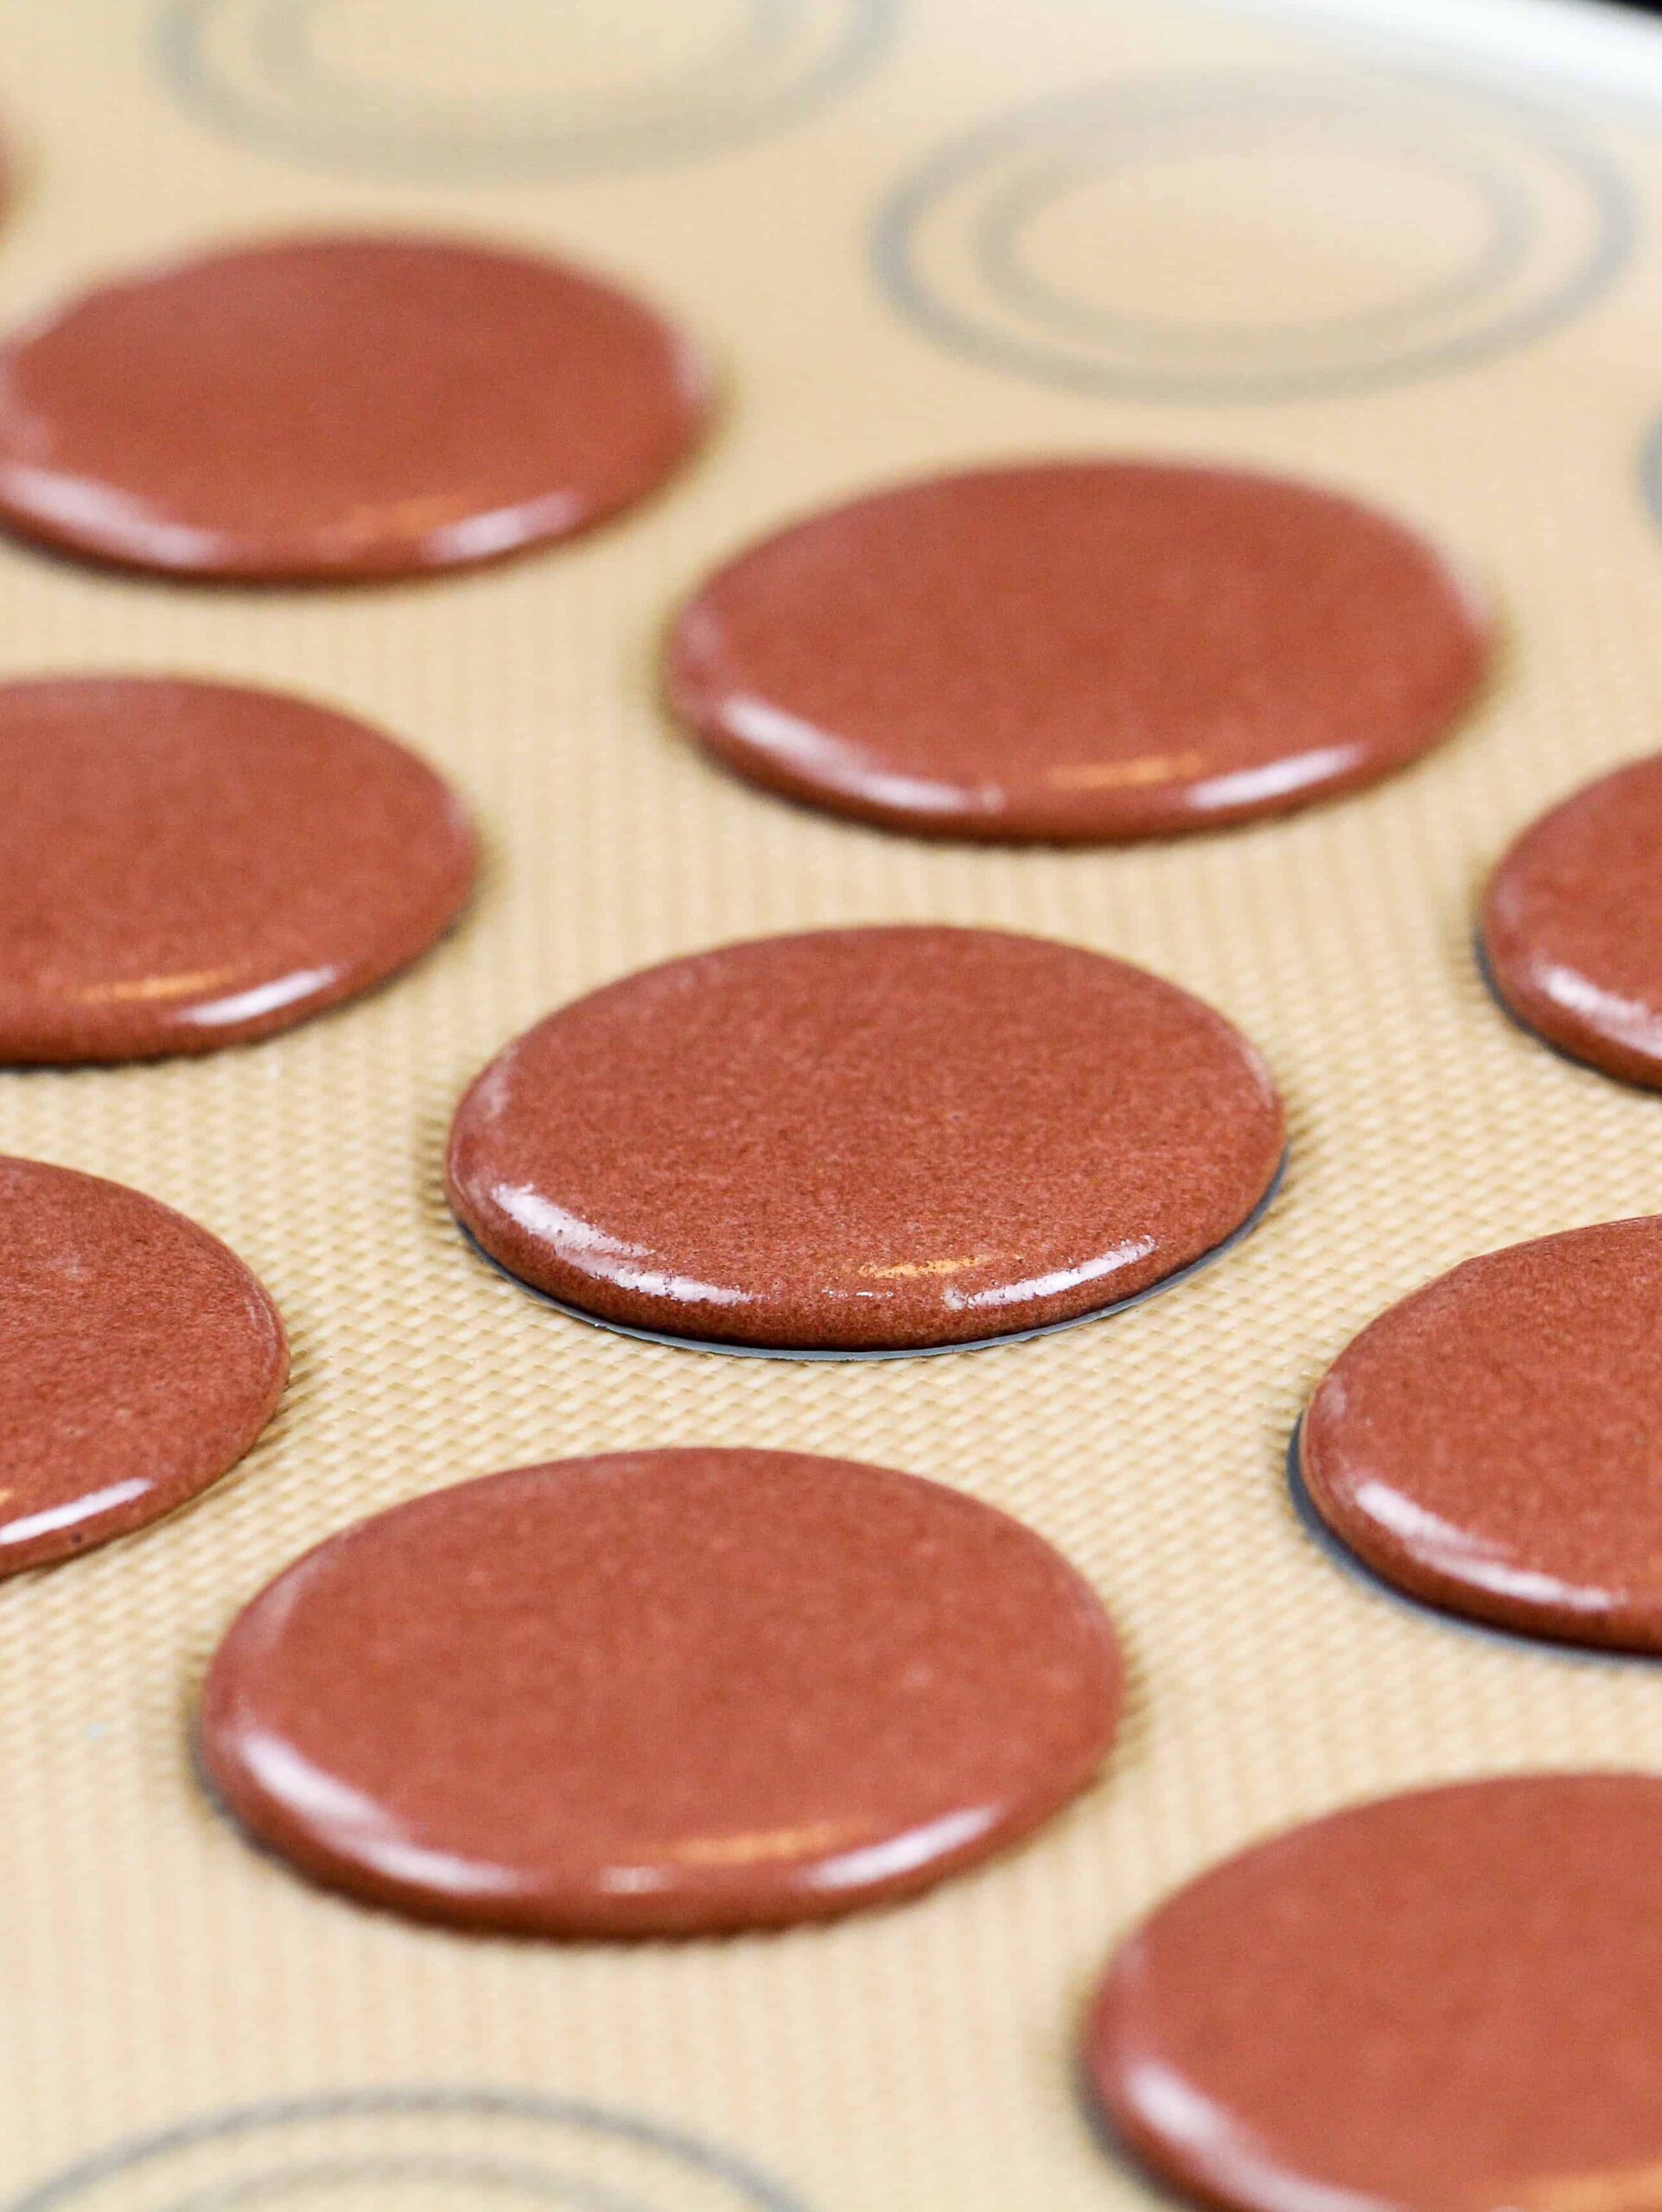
(338, 407)
(139, 1359)
(661, 1692)
(1444, 1999)
(1078, 651)
(1493, 1443)
(187, 865)
(866, 1139)
(1572, 925)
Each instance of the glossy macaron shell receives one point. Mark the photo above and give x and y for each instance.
(187, 865)
(141, 1361)
(889, 1138)
(1572, 925)
(661, 1692)
(1445, 1999)
(338, 407)
(1078, 651)
(1492, 1444)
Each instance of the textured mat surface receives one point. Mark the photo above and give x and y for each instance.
(933, 234)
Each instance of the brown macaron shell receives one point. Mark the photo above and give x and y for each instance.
(1492, 1444)
(329, 407)
(188, 865)
(1079, 651)
(1445, 1999)
(1572, 925)
(661, 1692)
(866, 1139)
(141, 1360)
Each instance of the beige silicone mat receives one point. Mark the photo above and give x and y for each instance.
(916, 233)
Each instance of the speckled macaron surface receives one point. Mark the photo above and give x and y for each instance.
(139, 1359)
(338, 407)
(1078, 651)
(889, 1138)
(1446, 1999)
(1572, 925)
(661, 1692)
(188, 865)
(1493, 1443)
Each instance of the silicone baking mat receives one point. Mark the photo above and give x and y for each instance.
(914, 232)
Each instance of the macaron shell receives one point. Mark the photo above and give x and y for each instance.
(1492, 1443)
(1572, 925)
(142, 1359)
(661, 1692)
(1444, 1999)
(320, 408)
(891, 1138)
(1079, 651)
(190, 865)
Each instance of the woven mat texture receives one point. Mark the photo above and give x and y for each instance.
(807, 220)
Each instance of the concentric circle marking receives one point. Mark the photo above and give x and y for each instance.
(326, 51)
(414, 2149)
(603, 84)
(1251, 238)
(1007, 259)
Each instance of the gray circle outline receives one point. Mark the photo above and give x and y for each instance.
(534, 2184)
(284, 32)
(1157, 103)
(518, 149)
(1010, 212)
(750, 2184)
(1650, 470)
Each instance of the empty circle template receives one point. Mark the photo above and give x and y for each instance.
(1246, 237)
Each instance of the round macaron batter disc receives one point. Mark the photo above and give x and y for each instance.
(1438, 2000)
(338, 407)
(187, 865)
(1492, 1444)
(141, 1359)
(1078, 651)
(868, 1139)
(661, 1692)
(1572, 925)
